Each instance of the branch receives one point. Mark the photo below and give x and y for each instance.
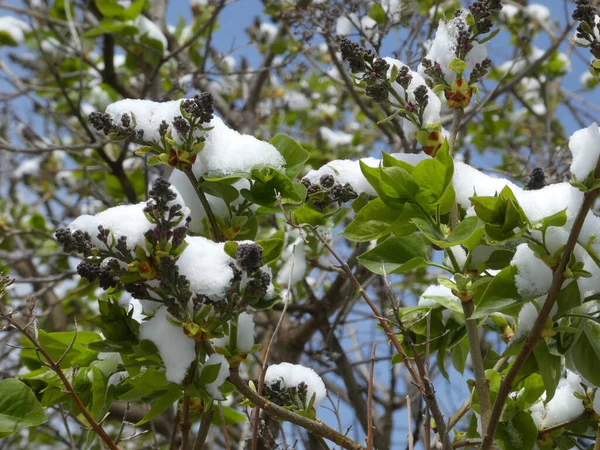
(54, 366)
(312, 426)
(534, 336)
(209, 213)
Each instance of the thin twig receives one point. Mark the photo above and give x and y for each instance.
(205, 422)
(207, 209)
(411, 438)
(370, 427)
(223, 426)
(312, 426)
(557, 281)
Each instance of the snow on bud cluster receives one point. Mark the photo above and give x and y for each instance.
(294, 385)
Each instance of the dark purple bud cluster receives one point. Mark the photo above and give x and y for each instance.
(327, 192)
(482, 11)
(585, 13)
(77, 241)
(291, 396)
(181, 125)
(356, 56)
(404, 77)
(200, 107)
(125, 129)
(479, 71)
(434, 71)
(537, 179)
(249, 257)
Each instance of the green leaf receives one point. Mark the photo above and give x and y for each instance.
(377, 13)
(533, 388)
(57, 343)
(585, 352)
(550, 367)
(105, 26)
(231, 416)
(398, 184)
(279, 47)
(520, 433)
(221, 189)
(294, 154)
(376, 220)
(267, 183)
(499, 294)
(397, 253)
(112, 8)
(271, 249)
(458, 65)
(459, 355)
(434, 177)
(209, 373)
(555, 220)
(161, 404)
(568, 298)
(116, 323)
(18, 407)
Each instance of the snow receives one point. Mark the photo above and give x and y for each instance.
(150, 30)
(190, 197)
(174, 347)
(291, 375)
(148, 114)
(207, 267)
(16, 28)
(431, 115)
(564, 406)
(213, 388)
(296, 101)
(443, 48)
(527, 317)
(121, 220)
(348, 171)
(539, 12)
(29, 167)
(585, 148)
(268, 32)
(335, 139)
(533, 276)
(245, 332)
(346, 25)
(435, 290)
(227, 152)
(508, 12)
(294, 264)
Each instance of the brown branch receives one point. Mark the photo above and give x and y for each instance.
(207, 209)
(312, 426)
(54, 366)
(204, 427)
(534, 335)
(370, 427)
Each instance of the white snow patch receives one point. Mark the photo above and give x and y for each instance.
(533, 276)
(291, 375)
(174, 347)
(213, 388)
(206, 265)
(585, 148)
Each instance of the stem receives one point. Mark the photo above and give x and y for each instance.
(420, 376)
(557, 282)
(209, 213)
(370, 434)
(68, 386)
(312, 426)
(204, 427)
(476, 358)
(185, 423)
